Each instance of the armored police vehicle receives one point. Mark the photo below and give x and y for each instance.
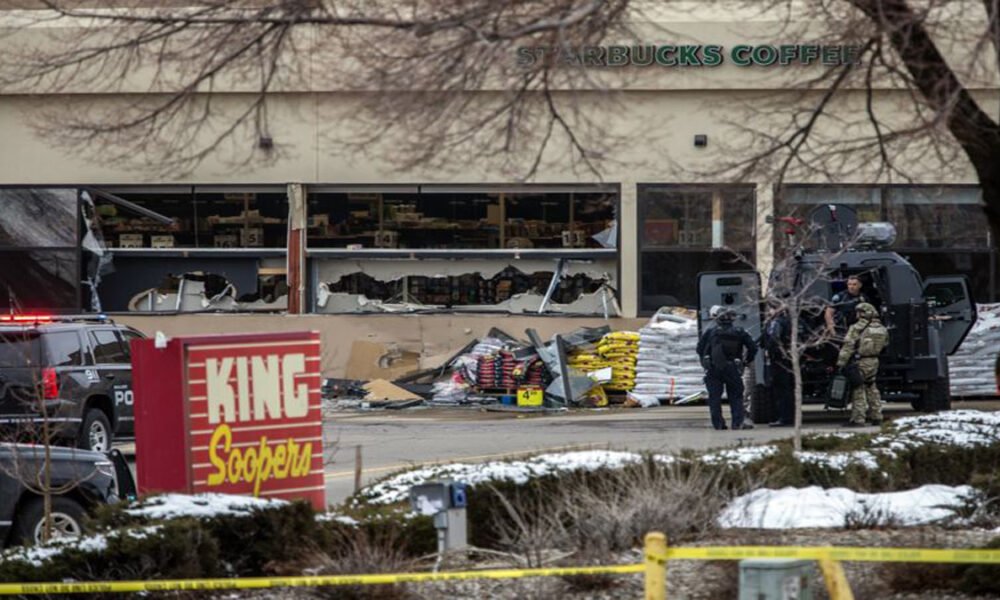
(927, 318)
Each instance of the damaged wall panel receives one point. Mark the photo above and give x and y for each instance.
(516, 286)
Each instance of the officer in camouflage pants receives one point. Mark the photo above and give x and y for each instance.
(864, 342)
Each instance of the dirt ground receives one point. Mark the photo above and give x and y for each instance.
(693, 580)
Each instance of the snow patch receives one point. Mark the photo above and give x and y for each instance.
(338, 518)
(397, 488)
(37, 555)
(792, 508)
(739, 457)
(839, 460)
(171, 506)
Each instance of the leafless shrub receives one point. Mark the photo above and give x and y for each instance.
(528, 526)
(366, 552)
(595, 515)
(871, 516)
(614, 513)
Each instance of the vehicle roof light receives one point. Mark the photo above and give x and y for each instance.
(26, 318)
(876, 235)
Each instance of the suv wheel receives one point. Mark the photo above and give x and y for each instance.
(95, 434)
(67, 520)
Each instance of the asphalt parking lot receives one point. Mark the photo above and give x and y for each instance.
(393, 440)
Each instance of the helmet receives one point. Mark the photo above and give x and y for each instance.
(866, 311)
(725, 316)
(714, 311)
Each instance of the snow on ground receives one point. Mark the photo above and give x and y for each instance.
(37, 555)
(737, 457)
(792, 508)
(951, 428)
(169, 506)
(339, 518)
(957, 428)
(397, 488)
(839, 460)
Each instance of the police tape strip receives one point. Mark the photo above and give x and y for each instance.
(839, 553)
(8, 589)
(675, 553)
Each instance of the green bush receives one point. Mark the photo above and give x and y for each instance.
(177, 549)
(982, 579)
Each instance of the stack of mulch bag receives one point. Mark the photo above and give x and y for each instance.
(973, 366)
(668, 367)
(618, 350)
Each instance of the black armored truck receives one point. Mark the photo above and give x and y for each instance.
(927, 318)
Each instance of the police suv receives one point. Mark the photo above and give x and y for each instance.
(927, 318)
(69, 377)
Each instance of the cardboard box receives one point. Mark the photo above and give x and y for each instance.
(318, 220)
(371, 360)
(660, 232)
(387, 239)
(130, 240)
(252, 237)
(227, 240)
(493, 214)
(161, 241)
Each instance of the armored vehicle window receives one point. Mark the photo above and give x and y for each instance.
(107, 348)
(19, 348)
(63, 349)
(945, 294)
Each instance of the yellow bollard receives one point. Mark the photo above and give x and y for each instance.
(835, 579)
(655, 558)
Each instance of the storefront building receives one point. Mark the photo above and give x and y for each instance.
(318, 232)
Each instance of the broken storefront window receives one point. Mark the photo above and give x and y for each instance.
(509, 289)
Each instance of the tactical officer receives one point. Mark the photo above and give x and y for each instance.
(840, 314)
(724, 350)
(777, 343)
(864, 342)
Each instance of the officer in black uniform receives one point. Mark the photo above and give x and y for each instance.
(724, 350)
(777, 342)
(840, 315)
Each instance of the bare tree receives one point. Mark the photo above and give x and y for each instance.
(420, 70)
(23, 392)
(792, 291)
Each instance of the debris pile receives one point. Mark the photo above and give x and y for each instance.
(974, 367)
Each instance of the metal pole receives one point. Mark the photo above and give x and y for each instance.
(357, 468)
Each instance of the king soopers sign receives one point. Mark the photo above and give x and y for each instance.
(689, 55)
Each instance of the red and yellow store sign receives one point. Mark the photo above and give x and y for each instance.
(246, 407)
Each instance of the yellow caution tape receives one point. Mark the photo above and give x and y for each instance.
(835, 553)
(675, 553)
(8, 589)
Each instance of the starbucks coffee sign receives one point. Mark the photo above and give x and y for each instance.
(689, 55)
